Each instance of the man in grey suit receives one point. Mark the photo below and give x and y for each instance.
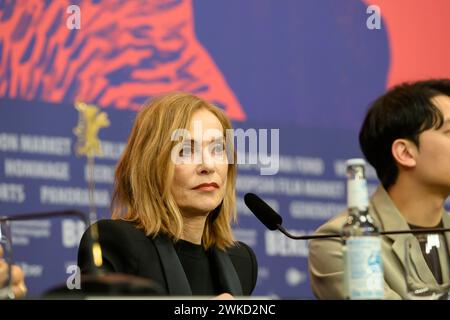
(406, 138)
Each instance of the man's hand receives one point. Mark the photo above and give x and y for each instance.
(18, 279)
(223, 296)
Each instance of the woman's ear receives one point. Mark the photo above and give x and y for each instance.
(404, 152)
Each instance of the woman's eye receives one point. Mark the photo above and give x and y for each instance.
(186, 151)
(218, 149)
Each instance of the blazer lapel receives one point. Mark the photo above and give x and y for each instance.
(228, 278)
(445, 266)
(389, 218)
(177, 282)
(417, 266)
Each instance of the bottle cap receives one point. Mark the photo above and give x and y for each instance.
(355, 162)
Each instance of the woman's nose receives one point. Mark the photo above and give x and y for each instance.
(207, 164)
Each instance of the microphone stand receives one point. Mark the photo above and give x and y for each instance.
(44, 215)
(98, 282)
(272, 220)
(335, 235)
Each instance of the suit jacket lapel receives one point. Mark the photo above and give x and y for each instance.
(177, 282)
(417, 266)
(389, 218)
(228, 278)
(445, 267)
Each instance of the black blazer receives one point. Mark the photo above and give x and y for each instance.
(126, 249)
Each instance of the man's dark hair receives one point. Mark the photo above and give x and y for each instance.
(403, 112)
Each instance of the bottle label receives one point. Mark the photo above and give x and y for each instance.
(357, 195)
(364, 268)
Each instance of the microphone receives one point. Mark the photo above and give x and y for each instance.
(263, 211)
(272, 220)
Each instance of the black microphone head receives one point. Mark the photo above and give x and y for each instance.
(263, 211)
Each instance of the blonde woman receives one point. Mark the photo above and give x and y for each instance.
(174, 202)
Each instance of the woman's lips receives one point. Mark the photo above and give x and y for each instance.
(207, 186)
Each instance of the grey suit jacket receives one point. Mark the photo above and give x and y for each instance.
(325, 255)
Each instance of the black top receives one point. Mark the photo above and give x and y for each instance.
(198, 268)
(127, 249)
(431, 258)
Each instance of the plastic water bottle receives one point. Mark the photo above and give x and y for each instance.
(363, 267)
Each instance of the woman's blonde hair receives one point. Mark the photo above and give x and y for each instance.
(145, 172)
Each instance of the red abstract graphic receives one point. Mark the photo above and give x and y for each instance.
(124, 53)
(418, 42)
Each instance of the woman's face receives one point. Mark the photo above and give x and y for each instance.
(200, 176)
